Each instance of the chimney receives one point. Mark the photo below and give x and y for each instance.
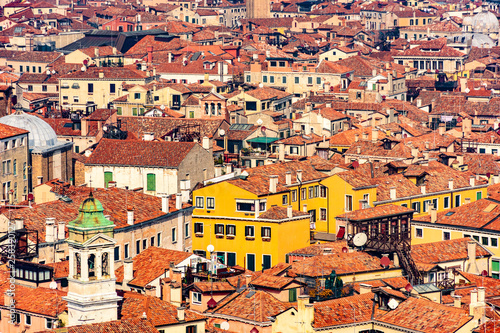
(472, 181)
(433, 215)
(356, 137)
(466, 201)
(471, 255)
(165, 202)
(180, 313)
(473, 302)
(304, 208)
(150, 54)
(115, 51)
(49, 230)
(130, 215)
(186, 188)
(101, 74)
(206, 143)
(358, 150)
(305, 311)
(457, 301)
(480, 294)
(281, 151)
(19, 223)
(8, 299)
(450, 184)
(374, 135)
(96, 52)
(39, 180)
(61, 231)
(414, 152)
(392, 193)
(365, 135)
(365, 288)
(273, 182)
(289, 212)
(460, 159)
(178, 201)
(148, 136)
(288, 178)
(441, 129)
(229, 168)
(299, 175)
(248, 278)
(374, 72)
(422, 189)
(128, 271)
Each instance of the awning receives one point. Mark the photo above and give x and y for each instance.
(262, 139)
(340, 234)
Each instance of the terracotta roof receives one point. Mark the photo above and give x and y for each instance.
(110, 73)
(63, 126)
(320, 249)
(300, 139)
(215, 286)
(151, 264)
(117, 326)
(267, 93)
(280, 213)
(158, 312)
(7, 131)
(342, 311)
(140, 153)
(271, 281)
(445, 251)
(374, 212)
(61, 269)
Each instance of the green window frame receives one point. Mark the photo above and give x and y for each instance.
(151, 182)
(283, 79)
(134, 111)
(297, 80)
(271, 79)
(108, 177)
(266, 261)
(479, 195)
(292, 295)
(119, 110)
(264, 79)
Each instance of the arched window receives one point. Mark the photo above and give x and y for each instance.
(219, 108)
(78, 265)
(105, 264)
(91, 265)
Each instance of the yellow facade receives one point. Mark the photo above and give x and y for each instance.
(226, 204)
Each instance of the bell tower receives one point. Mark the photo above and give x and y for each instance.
(92, 294)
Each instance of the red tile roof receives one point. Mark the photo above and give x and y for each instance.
(374, 212)
(445, 251)
(110, 73)
(132, 325)
(7, 131)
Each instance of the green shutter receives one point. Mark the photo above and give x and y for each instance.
(292, 295)
(119, 110)
(151, 180)
(495, 265)
(479, 195)
(108, 177)
(134, 111)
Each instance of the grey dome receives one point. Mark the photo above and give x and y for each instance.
(467, 20)
(480, 40)
(41, 134)
(485, 22)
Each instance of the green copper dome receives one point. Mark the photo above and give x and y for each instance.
(91, 215)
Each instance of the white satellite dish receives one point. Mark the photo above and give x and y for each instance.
(467, 90)
(48, 71)
(393, 304)
(53, 285)
(222, 132)
(210, 248)
(53, 71)
(162, 107)
(224, 326)
(83, 68)
(259, 122)
(360, 239)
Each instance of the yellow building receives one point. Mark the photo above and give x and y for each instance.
(254, 221)
(419, 187)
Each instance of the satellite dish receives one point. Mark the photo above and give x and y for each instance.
(344, 249)
(53, 71)
(259, 122)
(53, 285)
(360, 239)
(162, 107)
(224, 326)
(210, 248)
(467, 90)
(83, 68)
(408, 287)
(393, 304)
(48, 72)
(385, 262)
(222, 132)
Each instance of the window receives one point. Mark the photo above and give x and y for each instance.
(310, 80)
(108, 177)
(446, 202)
(112, 88)
(76, 99)
(14, 167)
(348, 203)
(27, 319)
(318, 80)
(283, 79)
(158, 239)
(322, 214)
(427, 204)
(30, 87)
(192, 328)
(48, 323)
(144, 244)
(479, 195)
(90, 88)
(134, 111)
(251, 262)
(266, 261)
(210, 203)
(265, 232)
(297, 80)
(476, 237)
(199, 202)
(248, 78)
(264, 78)
(137, 95)
(186, 230)
(219, 229)
(249, 231)
(434, 203)
(292, 295)
(117, 253)
(323, 191)
(151, 182)
(495, 269)
(271, 79)
(303, 194)
(126, 251)
(457, 200)
(294, 195)
(196, 298)
(230, 230)
(485, 241)
(119, 110)
(174, 235)
(294, 150)
(446, 235)
(494, 242)
(311, 192)
(198, 228)
(284, 199)
(419, 232)
(21, 69)
(138, 247)
(416, 207)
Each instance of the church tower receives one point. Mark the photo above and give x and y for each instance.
(91, 295)
(258, 9)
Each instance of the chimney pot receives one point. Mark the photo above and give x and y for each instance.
(130, 215)
(165, 203)
(178, 201)
(472, 181)
(61, 231)
(433, 215)
(288, 178)
(49, 230)
(289, 212)
(457, 301)
(392, 193)
(181, 313)
(273, 183)
(364, 288)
